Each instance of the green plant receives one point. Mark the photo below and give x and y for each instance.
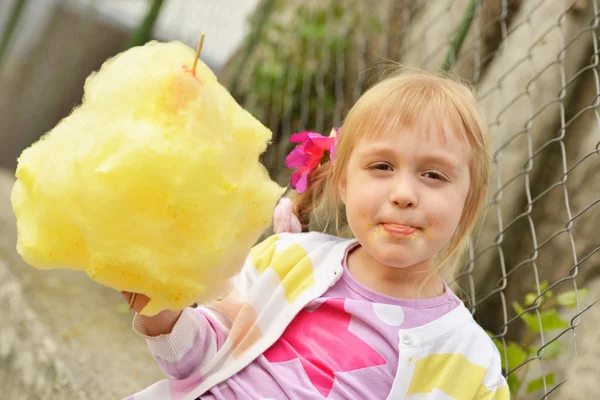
(297, 68)
(16, 13)
(514, 354)
(143, 33)
(459, 36)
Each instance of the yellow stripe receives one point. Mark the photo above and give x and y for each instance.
(451, 373)
(502, 393)
(293, 266)
(262, 254)
(295, 270)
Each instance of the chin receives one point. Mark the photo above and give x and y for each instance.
(391, 259)
(399, 264)
(397, 255)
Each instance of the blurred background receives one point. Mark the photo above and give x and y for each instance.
(534, 275)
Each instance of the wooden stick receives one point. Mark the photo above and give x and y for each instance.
(198, 50)
(132, 300)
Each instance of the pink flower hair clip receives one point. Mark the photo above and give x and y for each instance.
(309, 154)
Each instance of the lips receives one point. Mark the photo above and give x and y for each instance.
(399, 230)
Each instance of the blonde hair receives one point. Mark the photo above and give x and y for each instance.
(405, 99)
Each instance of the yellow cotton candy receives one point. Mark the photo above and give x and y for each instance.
(153, 185)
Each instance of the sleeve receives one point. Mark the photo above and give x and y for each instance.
(494, 386)
(196, 337)
(199, 333)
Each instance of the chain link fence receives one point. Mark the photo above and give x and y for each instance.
(534, 66)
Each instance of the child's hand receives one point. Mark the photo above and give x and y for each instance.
(159, 324)
(284, 219)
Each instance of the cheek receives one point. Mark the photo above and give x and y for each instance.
(358, 193)
(362, 207)
(355, 212)
(446, 213)
(359, 214)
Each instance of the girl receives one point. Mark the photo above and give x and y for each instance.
(314, 316)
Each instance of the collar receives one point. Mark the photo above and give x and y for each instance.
(413, 337)
(437, 329)
(335, 258)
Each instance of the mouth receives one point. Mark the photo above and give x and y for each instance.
(399, 230)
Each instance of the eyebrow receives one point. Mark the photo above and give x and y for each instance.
(375, 150)
(442, 159)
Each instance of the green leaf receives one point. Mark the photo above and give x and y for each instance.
(543, 287)
(569, 298)
(551, 350)
(518, 308)
(279, 27)
(338, 10)
(325, 102)
(515, 353)
(530, 320)
(320, 17)
(530, 298)
(337, 43)
(538, 384)
(312, 31)
(271, 70)
(514, 383)
(550, 319)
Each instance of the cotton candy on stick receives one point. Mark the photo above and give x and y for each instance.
(153, 185)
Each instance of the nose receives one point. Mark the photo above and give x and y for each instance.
(404, 194)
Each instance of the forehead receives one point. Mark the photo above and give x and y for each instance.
(386, 112)
(423, 136)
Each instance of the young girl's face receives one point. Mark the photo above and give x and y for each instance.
(405, 191)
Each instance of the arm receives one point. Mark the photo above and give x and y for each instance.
(194, 338)
(183, 342)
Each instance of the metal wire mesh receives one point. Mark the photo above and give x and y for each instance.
(534, 66)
